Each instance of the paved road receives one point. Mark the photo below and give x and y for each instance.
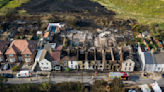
(55, 79)
(86, 79)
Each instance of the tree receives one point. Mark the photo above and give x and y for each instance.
(137, 27)
(2, 81)
(9, 12)
(46, 86)
(68, 69)
(117, 85)
(26, 88)
(99, 85)
(15, 68)
(156, 31)
(70, 86)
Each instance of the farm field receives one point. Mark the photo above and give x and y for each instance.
(145, 11)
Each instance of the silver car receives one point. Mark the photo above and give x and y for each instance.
(6, 66)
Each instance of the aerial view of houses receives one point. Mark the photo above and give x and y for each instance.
(81, 46)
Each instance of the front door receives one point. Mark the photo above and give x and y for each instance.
(20, 58)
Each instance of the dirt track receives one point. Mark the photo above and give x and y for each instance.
(64, 6)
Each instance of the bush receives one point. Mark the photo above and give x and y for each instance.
(68, 69)
(117, 85)
(17, 37)
(70, 86)
(99, 85)
(138, 39)
(15, 68)
(46, 85)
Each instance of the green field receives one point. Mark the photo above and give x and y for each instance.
(145, 11)
(11, 3)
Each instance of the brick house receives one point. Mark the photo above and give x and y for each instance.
(22, 50)
(3, 47)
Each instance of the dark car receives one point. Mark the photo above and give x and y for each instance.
(162, 75)
(8, 75)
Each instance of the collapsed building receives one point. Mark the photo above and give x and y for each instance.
(88, 51)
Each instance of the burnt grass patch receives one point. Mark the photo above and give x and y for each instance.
(65, 6)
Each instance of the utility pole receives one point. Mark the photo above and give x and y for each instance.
(82, 76)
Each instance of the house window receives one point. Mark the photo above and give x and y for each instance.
(107, 62)
(55, 62)
(12, 60)
(158, 68)
(42, 63)
(71, 62)
(57, 67)
(27, 55)
(89, 62)
(100, 66)
(11, 55)
(65, 62)
(129, 68)
(83, 62)
(125, 68)
(45, 67)
(72, 66)
(47, 63)
(107, 66)
(100, 62)
(28, 59)
(65, 67)
(83, 66)
(126, 64)
(130, 64)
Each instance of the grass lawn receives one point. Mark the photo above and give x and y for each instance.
(145, 11)
(11, 3)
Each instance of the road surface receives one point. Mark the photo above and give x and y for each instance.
(86, 79)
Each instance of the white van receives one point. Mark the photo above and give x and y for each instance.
(24, 74)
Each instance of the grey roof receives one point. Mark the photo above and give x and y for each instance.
(148, 58)
(48, 46)
(45, 55)
(159, 58)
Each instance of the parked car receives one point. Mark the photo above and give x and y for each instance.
(162, 75)
(6, 66)
(8, 75)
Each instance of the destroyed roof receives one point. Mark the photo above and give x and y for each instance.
(3, 46)
(159, 57)
(48, 46)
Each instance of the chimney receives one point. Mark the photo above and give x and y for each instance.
(20, 37)
(31, 46)
(152, 51)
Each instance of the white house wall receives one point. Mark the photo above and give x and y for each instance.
(141, 58)
(87, 65)
(45, 63)
(159, 68)
(74, 64)
(128, 66)
(149, 67)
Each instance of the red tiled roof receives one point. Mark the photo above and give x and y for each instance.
(46, 34)
(55, 55)
(22, 46)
